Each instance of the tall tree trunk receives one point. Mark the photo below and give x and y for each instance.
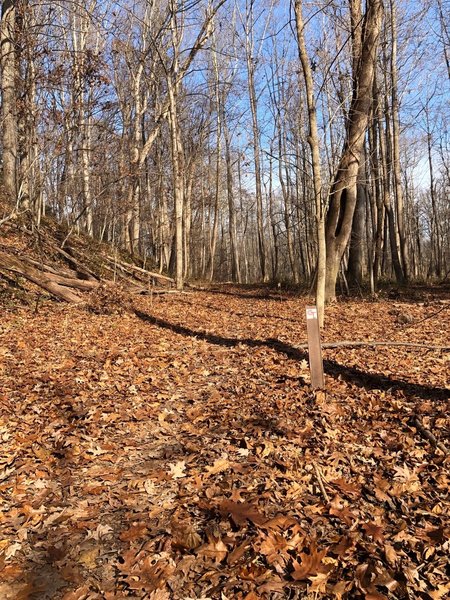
(343, 193)
(215, 227)
(86, 170)
(377, 192)
(256, 142)
(313, 140)
(81, 106)
(177, 181)
(287, 208)
(9, 100)
(391, 224)
(398, 192)
(235, 268)
(26, 113)
(435, 224)
(187, 216)
(273, 223)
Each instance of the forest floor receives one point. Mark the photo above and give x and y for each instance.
(179, 452)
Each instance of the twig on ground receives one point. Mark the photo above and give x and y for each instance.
(426, 318)
(428, 435)
(320, 482)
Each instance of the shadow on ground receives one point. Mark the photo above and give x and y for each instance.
(369, 381)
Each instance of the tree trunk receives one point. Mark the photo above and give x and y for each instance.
(398, 192)
(355, 256)
(435, 235)
(390, 214)
(235, 268)
(343, 193)
(177, 182)
(256, 144)
(9, 104)
(377, 195)
(215, 227)
(313, 140)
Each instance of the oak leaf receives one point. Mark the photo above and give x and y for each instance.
(311, 564)
(441, 592)
(177, 469)
(220, 465)
(241, 512)
(215, 549)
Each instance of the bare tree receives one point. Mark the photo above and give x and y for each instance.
(343, 193)
(313, 140)
(252, 54)
(9, 99)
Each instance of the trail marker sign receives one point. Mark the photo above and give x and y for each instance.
(314, 348)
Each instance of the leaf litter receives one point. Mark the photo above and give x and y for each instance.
(179, 452)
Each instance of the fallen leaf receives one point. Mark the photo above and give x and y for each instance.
(215, 549)
(310, 564)
(220, 465)
(177, 470)
(12, 550)
(240, 512)
(89, 557)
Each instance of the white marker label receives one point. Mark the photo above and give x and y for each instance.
(311, 313)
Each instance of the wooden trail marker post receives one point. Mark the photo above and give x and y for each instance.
(314, 348)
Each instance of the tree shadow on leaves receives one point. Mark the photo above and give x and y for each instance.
(368, 381)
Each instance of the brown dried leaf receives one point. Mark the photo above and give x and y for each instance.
(214, 549)
(311, 563)
(241, 512)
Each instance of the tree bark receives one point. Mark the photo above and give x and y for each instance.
(256, 141)
(355, 256)
(177, 182)
(343, 193)
(9, 100)
(398, 192)
(235, 268)
(313, 141)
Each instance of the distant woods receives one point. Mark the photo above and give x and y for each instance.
(181, 131)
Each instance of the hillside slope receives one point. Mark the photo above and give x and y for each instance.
(55, 261)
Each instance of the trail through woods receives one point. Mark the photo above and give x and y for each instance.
(178, 452)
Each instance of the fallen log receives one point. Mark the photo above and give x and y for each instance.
(348, 344)
(65, 278)
(70, 273)
(44, 280)
(77, 265)
(78, 284)
(152, 274)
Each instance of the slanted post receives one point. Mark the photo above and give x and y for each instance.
(314, 348)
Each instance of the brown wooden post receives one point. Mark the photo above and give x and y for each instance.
(314, 348)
